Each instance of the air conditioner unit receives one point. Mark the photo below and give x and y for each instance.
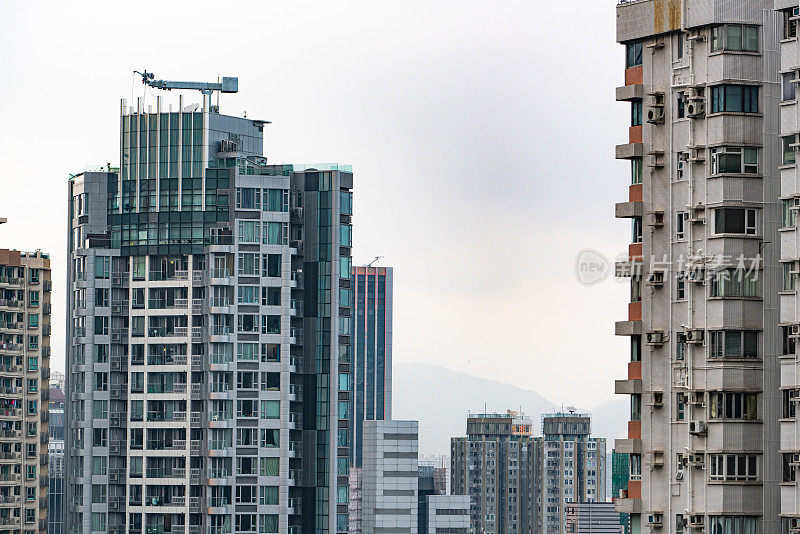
(697, 154)
(696, 520)
(794, 330)
(656, 278)
(697, 459)
(658, 398)
(655, 218)
(794, 524)
(679, 474)
(696, 109)
(697, 398)
(695, 274)
(657, 458)
(655, 115)
(655, 519)
(795, 460)
(697, 427)
(655, 338)
(694, 336)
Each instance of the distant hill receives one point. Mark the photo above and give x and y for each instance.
(440, 398)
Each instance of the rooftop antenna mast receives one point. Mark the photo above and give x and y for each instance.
(228, 85)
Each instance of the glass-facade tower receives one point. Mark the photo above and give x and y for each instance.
(372, 388)
(208, 367)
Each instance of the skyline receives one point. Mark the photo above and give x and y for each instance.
(396, 111)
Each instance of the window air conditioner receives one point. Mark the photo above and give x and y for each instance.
(655, 337)
(696, 109)
(696, 520)
(694, 336)
(655, 519)
(697, 459)
(655, 115)
(656, 278)
(697, 427)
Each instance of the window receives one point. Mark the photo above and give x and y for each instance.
(734, 37)
(635, 466)
(732, 467)
(788, 86)
(99, 465)
(733, 405)
(789, 276)
(100, 409)
(636, 233)
(102, 267)
(789, 146)
(636, 289)
(789, 212)
(680, 287)
(249, 231)
(681, 105)
(790, 23)
(679, 44)
(248, 295)
(680, 346)
(270, 296)
(636, 407)
(735, 221)
(633, 57)
(636, 170)
(248, 198)
(33, 320)
(636, 113)
(272, 265)
(33, 298)
(275, 233)
(101, 297)
(680, 225)
(734, 99)
(276, 200)
(790, 400)
(101, 325)
(680, 407)
(272, 324)
(249, 263)
(98, 521)
(734, 283)
(734, 160)
(733, 524)
(736, 344)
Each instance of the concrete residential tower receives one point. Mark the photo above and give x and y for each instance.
(701, 84)
(25, 288)
(208, 367)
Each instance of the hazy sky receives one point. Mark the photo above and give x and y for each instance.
(481, 134)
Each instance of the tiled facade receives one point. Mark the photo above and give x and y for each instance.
(390, 476)
(25, 289)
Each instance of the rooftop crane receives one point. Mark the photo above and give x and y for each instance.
(228, 84)
(373, 261)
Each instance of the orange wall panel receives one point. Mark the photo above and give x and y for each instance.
(635, 251)
(634, 430)
(634, 489)
(634, 311)
(635, 193)
(634, 76)
(634, 370)
(635, 134)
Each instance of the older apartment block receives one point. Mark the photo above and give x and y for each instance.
(25, 288)
(518, 483)
(208, 367)
(712, 319)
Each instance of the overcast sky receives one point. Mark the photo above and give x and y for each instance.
(481, 135)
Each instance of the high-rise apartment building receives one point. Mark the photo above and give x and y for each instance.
(496, 465)
(372, 358)
(709, 348)
(25, 287)
(521, 483)
(572, 468)
(55, 495)
(788, 16)
(390, 477)
(208, 368)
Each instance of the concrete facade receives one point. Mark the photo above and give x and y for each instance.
(700, 79)
(390, 477)
(25, 327)
(448, 513)
(208, 367)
